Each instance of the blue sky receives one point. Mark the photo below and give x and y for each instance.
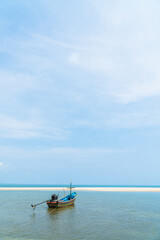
(80, 92)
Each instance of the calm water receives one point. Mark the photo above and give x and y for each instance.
(96, 215)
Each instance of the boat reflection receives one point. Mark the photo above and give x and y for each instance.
(55, 211)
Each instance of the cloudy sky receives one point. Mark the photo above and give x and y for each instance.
(80, 92)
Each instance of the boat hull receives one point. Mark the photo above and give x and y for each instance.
(62, 202)
(58, 204)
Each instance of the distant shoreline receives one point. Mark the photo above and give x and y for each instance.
(97, 189)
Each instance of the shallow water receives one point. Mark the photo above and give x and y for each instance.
(96, 215)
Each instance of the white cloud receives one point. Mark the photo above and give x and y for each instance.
(70, 150)
(18, 129)
(45, 40)
(3, 164)
(74, 58)
(53, 153)
(116, 63)
(126, 52)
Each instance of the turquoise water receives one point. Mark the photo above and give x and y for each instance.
(96, 215)
(75, 185)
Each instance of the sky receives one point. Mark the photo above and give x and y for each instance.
(80, 92)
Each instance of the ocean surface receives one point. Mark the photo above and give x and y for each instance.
(96, 215)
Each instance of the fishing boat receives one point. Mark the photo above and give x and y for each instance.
(54, 202)
(66, 201)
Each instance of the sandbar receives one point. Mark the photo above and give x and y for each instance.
(96, 189)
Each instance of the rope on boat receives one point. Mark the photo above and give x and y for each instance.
(27, 223)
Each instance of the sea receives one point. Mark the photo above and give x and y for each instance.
(95, 215)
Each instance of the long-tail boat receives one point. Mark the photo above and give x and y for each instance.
(65, 201)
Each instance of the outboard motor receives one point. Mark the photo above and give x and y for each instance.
(54, 197)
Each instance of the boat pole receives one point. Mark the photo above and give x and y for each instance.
(70, 188)
(35, 205)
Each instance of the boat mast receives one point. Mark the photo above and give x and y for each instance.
(70, 188)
